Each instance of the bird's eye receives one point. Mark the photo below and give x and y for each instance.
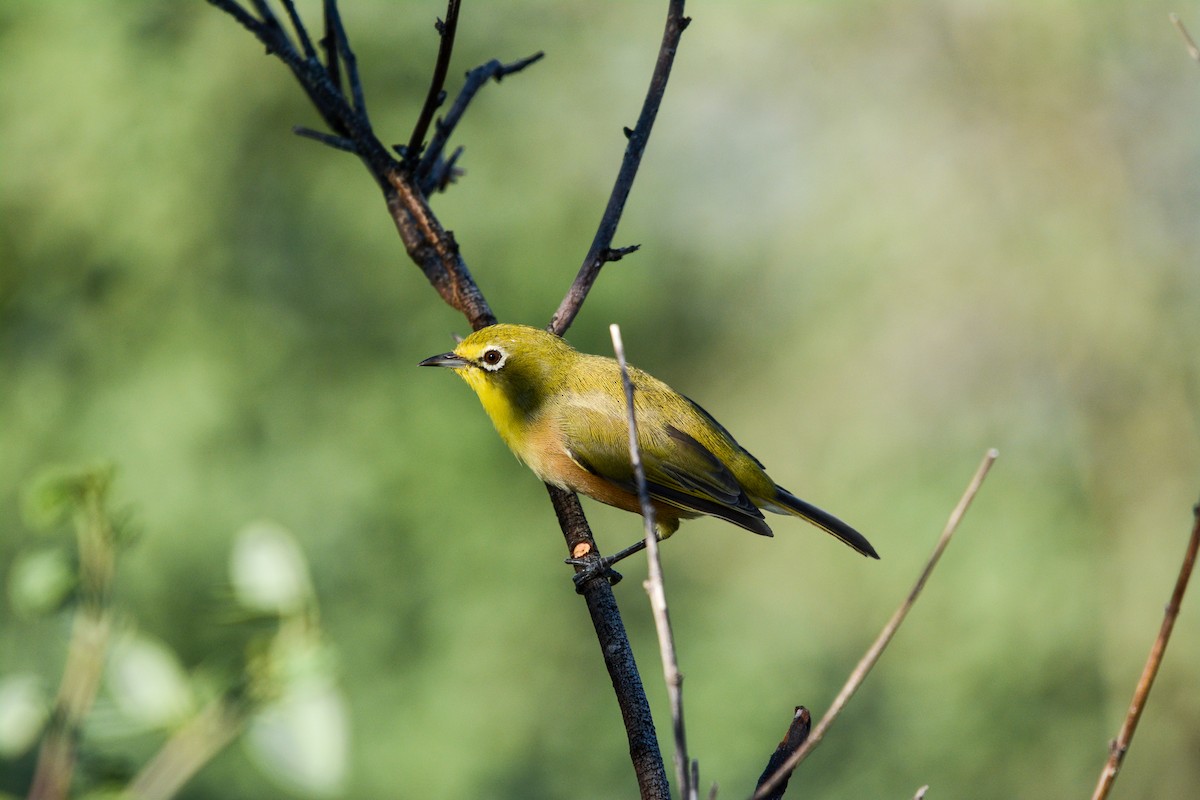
(492, 357)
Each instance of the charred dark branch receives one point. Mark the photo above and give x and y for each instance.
(476, 78)
(634, 149)
(796, 735)
(437, 95)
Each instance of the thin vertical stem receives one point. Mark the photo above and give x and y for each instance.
(654, 585)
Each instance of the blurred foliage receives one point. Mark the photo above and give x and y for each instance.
(147, 733)
(877, 238)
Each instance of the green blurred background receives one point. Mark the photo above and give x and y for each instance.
(877, 239)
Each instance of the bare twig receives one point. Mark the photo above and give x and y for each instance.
(336, 142)
(444, 173)
(796, 735)
(341, 46)
(654, 586)
(885, 636)
(437, 95)
(1120, 745)
(333, 65)
(600, 251)
(476, 79)
(1188, 41)
(305, 42)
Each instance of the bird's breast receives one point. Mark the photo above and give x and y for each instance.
(510, 420)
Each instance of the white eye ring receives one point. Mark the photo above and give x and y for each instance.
(493, 358)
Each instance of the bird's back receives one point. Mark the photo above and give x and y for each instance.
(592, 416)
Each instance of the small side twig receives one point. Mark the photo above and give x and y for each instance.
(341, 45)
(654, 585)
(437, 94)
(333, 65)
(885, 636)
(336, 142)
(1120, 745)
(1188, 41)
(297, 25)
(476, 79)
(597, 255)
(796, 735)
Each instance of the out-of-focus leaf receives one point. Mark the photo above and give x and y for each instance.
(268, 570)
(40, 581)
(23, 710)
(302, 740)
(147, 682)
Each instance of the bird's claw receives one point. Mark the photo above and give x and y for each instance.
(590, 568)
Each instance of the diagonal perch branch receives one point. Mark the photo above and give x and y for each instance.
(885, 636)
(435, 251)
(600, 251)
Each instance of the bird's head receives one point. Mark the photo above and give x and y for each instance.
(509, 365)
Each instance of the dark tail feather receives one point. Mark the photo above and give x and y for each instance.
(826, 522)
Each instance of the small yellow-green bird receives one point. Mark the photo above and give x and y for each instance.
(563, 413)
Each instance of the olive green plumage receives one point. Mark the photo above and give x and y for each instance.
(563, 413)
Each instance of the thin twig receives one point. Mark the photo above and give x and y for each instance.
(336, 142)
(444, 173)
(634, 148)
(333, 65)
(298, 26)
(885, 636)
(1120, 745)
(1188, 41)
(476, 78)
(796, 735)
(654, 585)
(437, 93)
(333, 19)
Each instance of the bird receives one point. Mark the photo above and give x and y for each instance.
(563, 413)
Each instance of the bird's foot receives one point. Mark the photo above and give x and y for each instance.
(590, 568)
(594, 567)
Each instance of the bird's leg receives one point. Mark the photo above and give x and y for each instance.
(621, 555)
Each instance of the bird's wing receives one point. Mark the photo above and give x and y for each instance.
(680, 471)
(713, 421)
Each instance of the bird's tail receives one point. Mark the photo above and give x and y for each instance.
(788, 503)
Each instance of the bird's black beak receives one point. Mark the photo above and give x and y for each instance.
(452, 360)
